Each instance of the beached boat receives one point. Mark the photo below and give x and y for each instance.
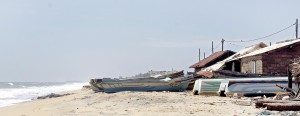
(238, 87)
(207, 86)
(116, 85)
(133, 84)
(94, 87)
(157, 75)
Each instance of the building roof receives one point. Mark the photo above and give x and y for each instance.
(211, 58)
(205, 74)
(243, 52)
(272, 47)
(251, 51)
(247, 51)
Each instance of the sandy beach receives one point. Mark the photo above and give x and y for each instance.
(88, 103)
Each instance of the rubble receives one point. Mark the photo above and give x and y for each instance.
(52, 95)
(265, 112)
(288, 101)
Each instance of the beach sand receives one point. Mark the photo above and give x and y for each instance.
(88, 103)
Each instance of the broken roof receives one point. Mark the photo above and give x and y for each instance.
(272, 47)
(238, 55)
(211, 58)
(251, 51)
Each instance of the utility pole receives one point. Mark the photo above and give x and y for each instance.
(223, 44)
(290, 78)
(297, 28)
(199, 54)
(212, 47)
(270, 43)
(204, 55)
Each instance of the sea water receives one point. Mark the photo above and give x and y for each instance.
(16, 92)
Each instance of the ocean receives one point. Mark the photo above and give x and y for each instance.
(16, 92)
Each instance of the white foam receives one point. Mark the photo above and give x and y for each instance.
(10, 96)
(11, 84)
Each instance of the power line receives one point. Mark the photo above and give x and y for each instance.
(265, 36)
(235, 44)
(217, 45)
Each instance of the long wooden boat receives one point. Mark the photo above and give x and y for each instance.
(207, 86)
(116, 85)
(176, 76)
(238, 87)
(94, 87)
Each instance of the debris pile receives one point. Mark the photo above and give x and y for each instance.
(295, 70)
(295, 66)
(288, 101)
(52, 95)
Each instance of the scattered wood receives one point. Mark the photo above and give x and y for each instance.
(242, 103)
(280, 95)
(295, 70)
(261, 103)
(278, 103)
(52, 95)
(289, 90)
(283, 106)
(86, 87)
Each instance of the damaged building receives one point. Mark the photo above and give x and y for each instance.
(212, 59)
(258, 59)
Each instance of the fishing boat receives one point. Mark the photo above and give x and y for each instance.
(248, 86)
(117, 85)
(175, 81)
(94, 87)
(157, 75)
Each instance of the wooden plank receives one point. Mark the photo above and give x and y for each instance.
(261, 103)
(283, 106)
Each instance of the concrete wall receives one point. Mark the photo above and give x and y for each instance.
(248, 67)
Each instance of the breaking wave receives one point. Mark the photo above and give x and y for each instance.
(27, 91)
(11, 84)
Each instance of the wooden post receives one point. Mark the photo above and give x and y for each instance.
(212, 47)
(199, 54)
(223, 44)
(297, 28)
(290, 78)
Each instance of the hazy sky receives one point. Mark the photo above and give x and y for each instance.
(65, 40)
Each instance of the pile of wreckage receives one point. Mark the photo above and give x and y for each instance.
(288, 101)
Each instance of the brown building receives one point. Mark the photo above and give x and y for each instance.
(258, 59)
(271, 60)
(212, 59)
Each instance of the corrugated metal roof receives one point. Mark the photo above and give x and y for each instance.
(209, 59)
(247, 50)
(250, 51)
(272, 47)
